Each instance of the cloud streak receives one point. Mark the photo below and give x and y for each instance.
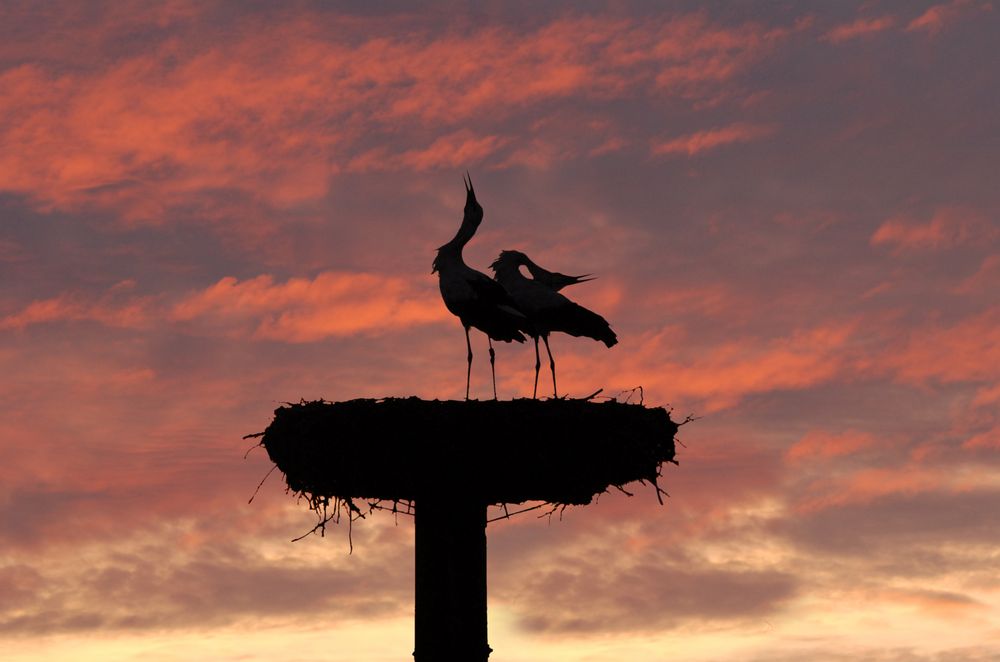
(711, 139)
(862, 27)
(947, 228)
(149, 131)
(305, 310)
(939, 16)
(297, 310)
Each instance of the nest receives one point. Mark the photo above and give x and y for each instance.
(561, 452)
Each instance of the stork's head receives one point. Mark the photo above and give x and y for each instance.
(473, 210)
(509, 260)
(512, 257)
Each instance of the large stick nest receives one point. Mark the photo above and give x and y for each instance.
(397, 449)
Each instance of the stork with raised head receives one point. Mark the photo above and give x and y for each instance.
(475, 298)
(547, 310)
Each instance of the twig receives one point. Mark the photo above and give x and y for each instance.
(516, 512)
(623, 490)
(631, 392)
(660, 492)
(271, 471)
(689, 418)
(561, 507)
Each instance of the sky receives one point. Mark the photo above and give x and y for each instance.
(210, 208)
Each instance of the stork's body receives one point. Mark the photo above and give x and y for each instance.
(545, 309)
(472, 296)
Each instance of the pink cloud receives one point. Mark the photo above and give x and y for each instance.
(867, 485)
(948, 227)
(940, 604)
(987, 396)
(938, 16)
(862, 27)
(274, 108)
(721, 375)
(702, 141)
(986, 278)
(984, 440)
(305, 310)
(297, 310)
(822, 446)
(967, 350)
(451, 151)
(110, 310)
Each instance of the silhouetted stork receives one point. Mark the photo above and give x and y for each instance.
(552, 279)
(547, 310)
(475, 298)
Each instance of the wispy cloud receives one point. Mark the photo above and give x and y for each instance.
(822, 445)
(948, 227)
(296, 310)
(722, 375)
(937, 17)
(118, 308)
(862, 27)
(710, 139)
(967, 350)
(304, 310)
(152, 130)
(452, 151)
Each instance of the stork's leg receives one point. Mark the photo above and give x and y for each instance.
(538, 366)
(493, 360)
(552, 365)
(468, 372)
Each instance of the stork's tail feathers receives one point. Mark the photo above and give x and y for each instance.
(578, 321)
(503, 330)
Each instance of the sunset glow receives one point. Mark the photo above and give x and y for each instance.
(210, 208)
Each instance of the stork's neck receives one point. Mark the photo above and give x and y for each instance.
(463, 235)
(449, 256)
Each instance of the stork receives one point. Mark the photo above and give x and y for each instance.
(547, 310)
(475, 298)
(552, 279)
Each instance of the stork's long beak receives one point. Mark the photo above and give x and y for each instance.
(470, 192)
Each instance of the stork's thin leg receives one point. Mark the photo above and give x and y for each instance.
(468, 372)
(552, 365)
(538, 366)
(493, 360)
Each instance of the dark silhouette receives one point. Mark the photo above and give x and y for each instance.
(439, 462)
(475, 298)
(552, 279)
(545, 309)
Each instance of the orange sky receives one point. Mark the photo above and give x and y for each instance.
(210, 208)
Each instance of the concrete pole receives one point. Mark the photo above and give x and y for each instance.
(450, 618)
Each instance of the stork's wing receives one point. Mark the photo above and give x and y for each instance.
(488, 291)
(494, 311)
